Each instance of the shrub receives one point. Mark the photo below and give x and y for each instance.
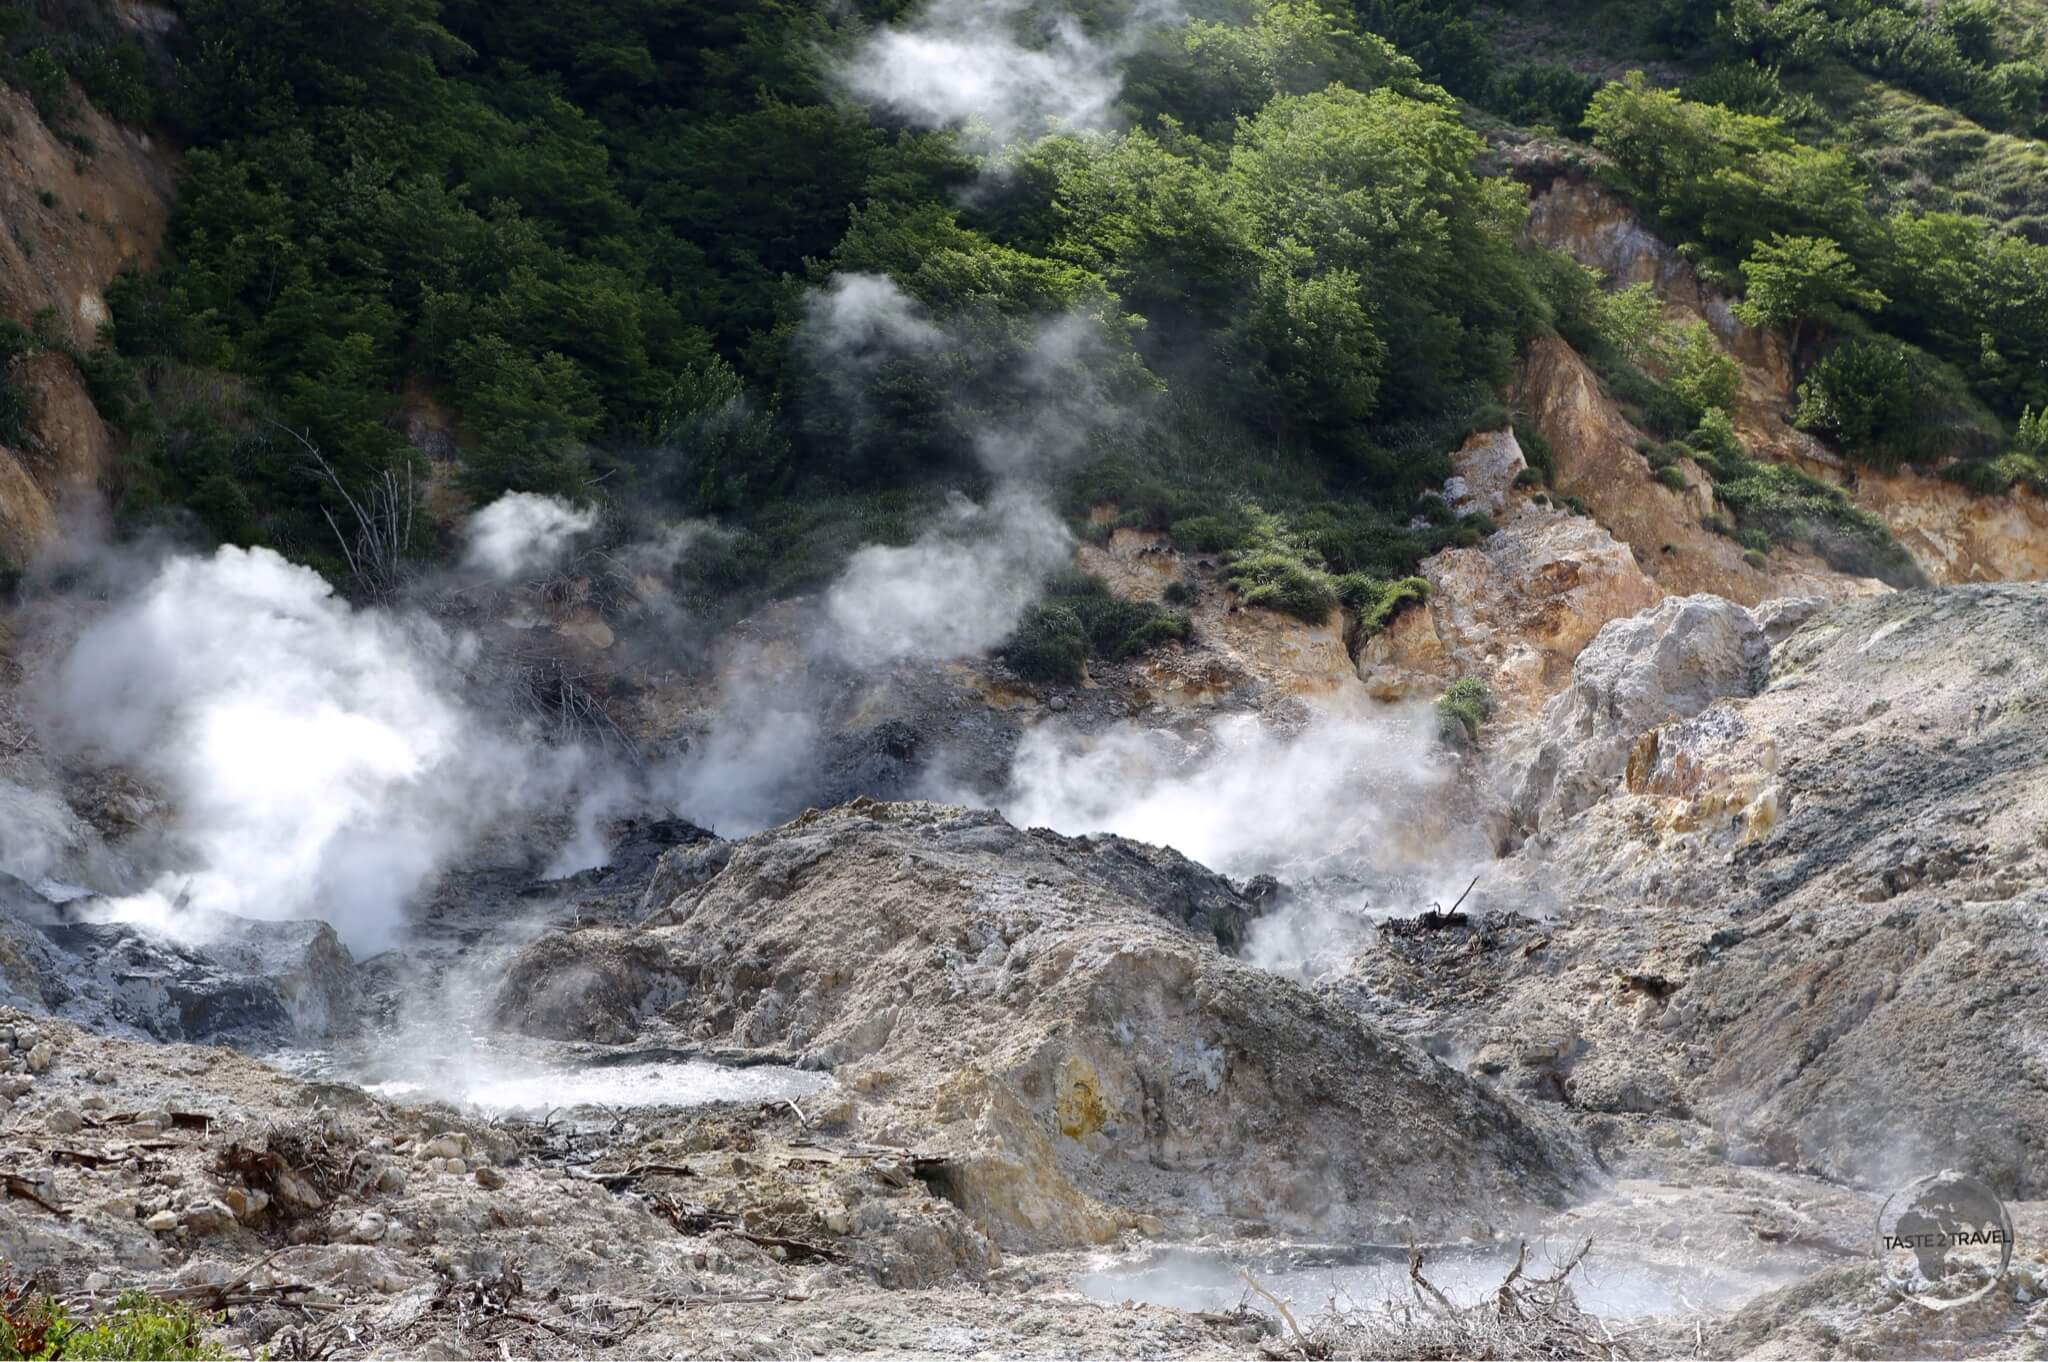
(1207, 534)
(1376, 602)
(138, 1326)
(1529, 477)
(1051, 644)
(1673, 477)
(1081, 618)
(1464, 708)
(1704, 378)
(1860, 395)
(1629, 320)
(1178, 593)
(1274, 579)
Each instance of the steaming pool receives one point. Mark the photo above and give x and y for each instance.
(1619, 1284)
(497, 1084)
(684, 1083)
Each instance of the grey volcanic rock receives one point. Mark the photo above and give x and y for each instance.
(241, 981)
(1054, 1015)
(1668, 662)
(1816, 917)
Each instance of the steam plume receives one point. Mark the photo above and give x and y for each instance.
(1001, 71)
(318, 761)
(522, 532)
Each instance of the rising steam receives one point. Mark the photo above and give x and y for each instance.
(999, 71)
(317, 758)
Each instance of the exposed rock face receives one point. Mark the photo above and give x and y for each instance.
(1667, 663)
(1954, 534)
(1813, 916)
(1957, 535)
(252, 983)
(1593, 449)
(1054, 1014)
(104, 212)
(1485, 469)
(1514, 611)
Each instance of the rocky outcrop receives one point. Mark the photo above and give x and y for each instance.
(74, 221)
(1483, 473)
(1667, 663)
(1513, 611)
(1811, 917)
(1053, 1015)
(1594, 453)
(232, 981)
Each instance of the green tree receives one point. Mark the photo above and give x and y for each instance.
(1793, 280)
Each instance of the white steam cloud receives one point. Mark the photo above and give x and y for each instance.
(959, 590)
(317, 761)
(1001, 71)
(523, 532)
(1348, 804)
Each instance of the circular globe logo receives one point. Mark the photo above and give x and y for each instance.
(1944, 1240)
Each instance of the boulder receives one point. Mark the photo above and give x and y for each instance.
(237, 980)
(1484, 473)
(1667, 663)
(1514, 611)
(1054, 1018)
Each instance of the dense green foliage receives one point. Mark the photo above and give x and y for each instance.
(1079, 619)
(599, 250)
(137, 1326)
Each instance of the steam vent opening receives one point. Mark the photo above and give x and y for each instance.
(1288, 678)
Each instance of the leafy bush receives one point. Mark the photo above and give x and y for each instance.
(1543, 93)
(1859, 394)
(1376, 602)
(1051, 644)
(1080, 618)
(1464, 708)
(138, 1326)
(1283, 581)
(1702, 376)
(1630, 320)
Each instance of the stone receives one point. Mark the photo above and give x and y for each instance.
(161, 1221)
(40, 1057)
(1667, 663)
(488, 1178)
(64, 1121)
(450, 1146)
(247, 1204)
(1514, 612)
(1066, 1122)
(1485, 472)
(369, 1227)
(210, 1216)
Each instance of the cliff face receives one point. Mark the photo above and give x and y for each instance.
(74, 221)
(1954, 535)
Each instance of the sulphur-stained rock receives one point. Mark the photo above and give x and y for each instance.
(1667, 663)
(1032, 1007)
(1957, 535)
(1808, 913)
(1513, 611)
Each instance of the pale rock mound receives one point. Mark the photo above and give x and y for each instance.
(1812, 917)
(1055, 1017)
(1670, 662)
(1514, 611)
